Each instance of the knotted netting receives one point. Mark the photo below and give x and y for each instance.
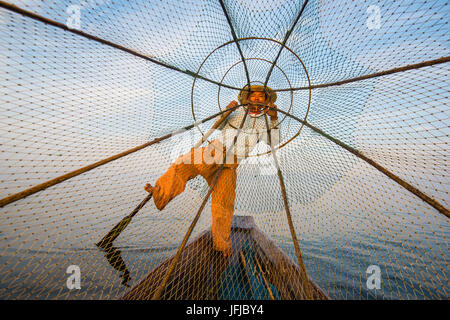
(361, 169)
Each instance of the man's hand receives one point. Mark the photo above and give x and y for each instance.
(232, 104)
(272, 112)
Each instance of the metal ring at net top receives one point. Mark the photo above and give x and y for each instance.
(265, 60)
(256, 38)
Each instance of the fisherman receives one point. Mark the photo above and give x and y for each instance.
(204, 161)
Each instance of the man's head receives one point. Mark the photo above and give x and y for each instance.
(256, 98)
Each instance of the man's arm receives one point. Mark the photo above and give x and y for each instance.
(232, 104)
(219, 124)
(274, 125)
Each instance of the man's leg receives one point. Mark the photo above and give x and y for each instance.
(222, 209)
(173, 182)
(202, 161)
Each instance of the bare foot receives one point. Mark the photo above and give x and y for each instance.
(148, 187)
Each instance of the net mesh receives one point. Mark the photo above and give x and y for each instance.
(85, 80)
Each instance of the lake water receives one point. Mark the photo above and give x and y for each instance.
(337, 264)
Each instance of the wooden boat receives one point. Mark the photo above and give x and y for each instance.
(256, 270)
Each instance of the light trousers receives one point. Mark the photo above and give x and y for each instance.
(206, 162)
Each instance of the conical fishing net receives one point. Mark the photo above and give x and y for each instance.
(361, 168)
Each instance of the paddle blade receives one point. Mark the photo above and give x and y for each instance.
(114, 233)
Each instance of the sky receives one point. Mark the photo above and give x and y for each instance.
(123, 100)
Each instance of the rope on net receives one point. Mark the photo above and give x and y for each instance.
(235, 39)
(163, 284)
(304, 276)
(51, 22)
(286, 38)
(50, 183)
(373, 75)
(414, 190)
(432, 202)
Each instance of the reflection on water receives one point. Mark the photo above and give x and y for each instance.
(114, 257)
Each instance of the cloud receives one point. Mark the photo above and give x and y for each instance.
(405, 36)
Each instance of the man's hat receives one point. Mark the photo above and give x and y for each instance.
(243, 95)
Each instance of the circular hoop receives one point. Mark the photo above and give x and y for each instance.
(255, 38)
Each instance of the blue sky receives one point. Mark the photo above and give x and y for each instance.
(75, 94)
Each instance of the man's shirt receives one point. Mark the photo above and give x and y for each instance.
(253, 131)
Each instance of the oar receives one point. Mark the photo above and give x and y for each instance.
(114, 233)
(118, 228)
